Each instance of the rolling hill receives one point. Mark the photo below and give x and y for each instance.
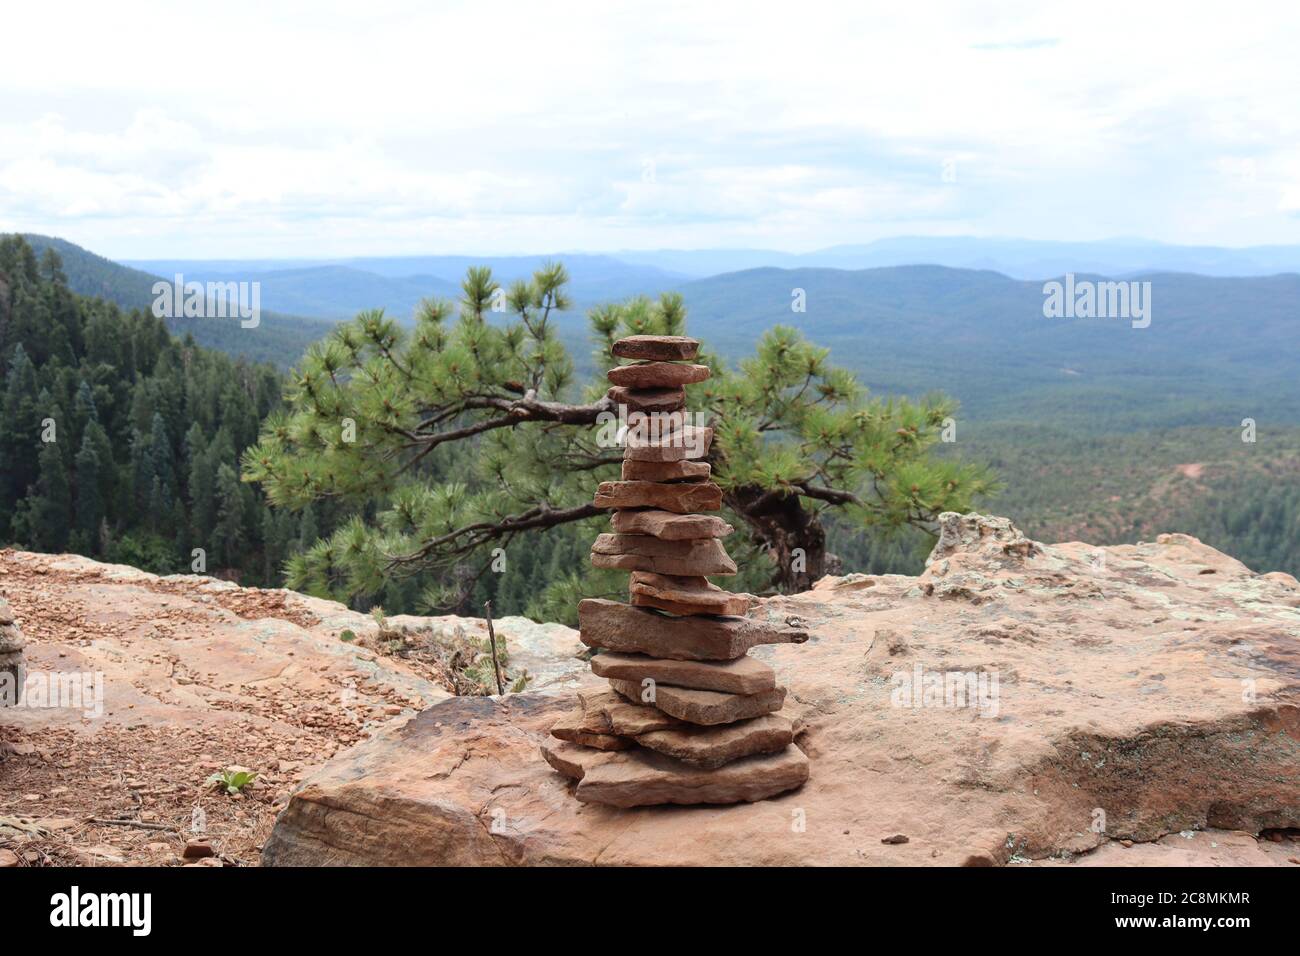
(338, 289)
(1217, 349)
(279, 338)
(1018, 258)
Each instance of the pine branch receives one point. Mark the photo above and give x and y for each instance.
(467, 539)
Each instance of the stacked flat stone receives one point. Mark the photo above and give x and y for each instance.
(12, 674)
(688, 717)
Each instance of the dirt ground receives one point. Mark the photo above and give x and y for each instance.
(196, 677)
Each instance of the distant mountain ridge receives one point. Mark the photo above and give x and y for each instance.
(339, 288)
(1218, 349)
(279, 338)
(1016, 258)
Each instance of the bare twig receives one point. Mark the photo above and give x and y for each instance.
(132, 823)
(492, 639)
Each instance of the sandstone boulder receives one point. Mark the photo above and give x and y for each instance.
(1120, 689)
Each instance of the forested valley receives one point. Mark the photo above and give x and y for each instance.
(123, 442)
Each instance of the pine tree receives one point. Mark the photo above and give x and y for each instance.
(228, 535)
(90, 506)
(134, 392)
(19, 422)
(201, 482)
(794, 437)
(50, 502)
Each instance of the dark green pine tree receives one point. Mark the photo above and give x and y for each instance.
(19, 422)
(141, 472)
(162, 484)
(90, 505)
(202, 485)
(83, 411)
(106, 469)
(133, 393)
(49, 517)
(228, 534)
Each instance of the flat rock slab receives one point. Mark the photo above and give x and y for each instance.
(640, 778)
(572, 759)
(679, 594)
(669, 526)
(657, 375)
(572, 727)
(648, 399)
(683, 470)
(612, 626)
(642, 552)
(711, 747)
(745, 675)
(705, 708)
(683, 499)
(683, 443)
(612, 713)
(657, 348)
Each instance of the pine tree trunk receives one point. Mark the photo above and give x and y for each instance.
(792, 535)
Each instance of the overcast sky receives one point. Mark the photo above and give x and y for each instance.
(286, 129)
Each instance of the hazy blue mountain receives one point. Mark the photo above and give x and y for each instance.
(1217, 349)
(1018, 258)
(278, 338)
(323, 292)
(338, 289)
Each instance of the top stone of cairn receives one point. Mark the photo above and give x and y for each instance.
(657, 348)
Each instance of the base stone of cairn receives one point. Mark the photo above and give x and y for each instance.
(13, 676)
(689, 717)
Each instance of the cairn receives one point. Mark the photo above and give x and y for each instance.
(689, 716)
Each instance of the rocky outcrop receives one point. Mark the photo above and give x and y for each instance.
(168, 680)
(1015, 702)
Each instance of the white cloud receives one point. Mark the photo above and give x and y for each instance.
(142, 129)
